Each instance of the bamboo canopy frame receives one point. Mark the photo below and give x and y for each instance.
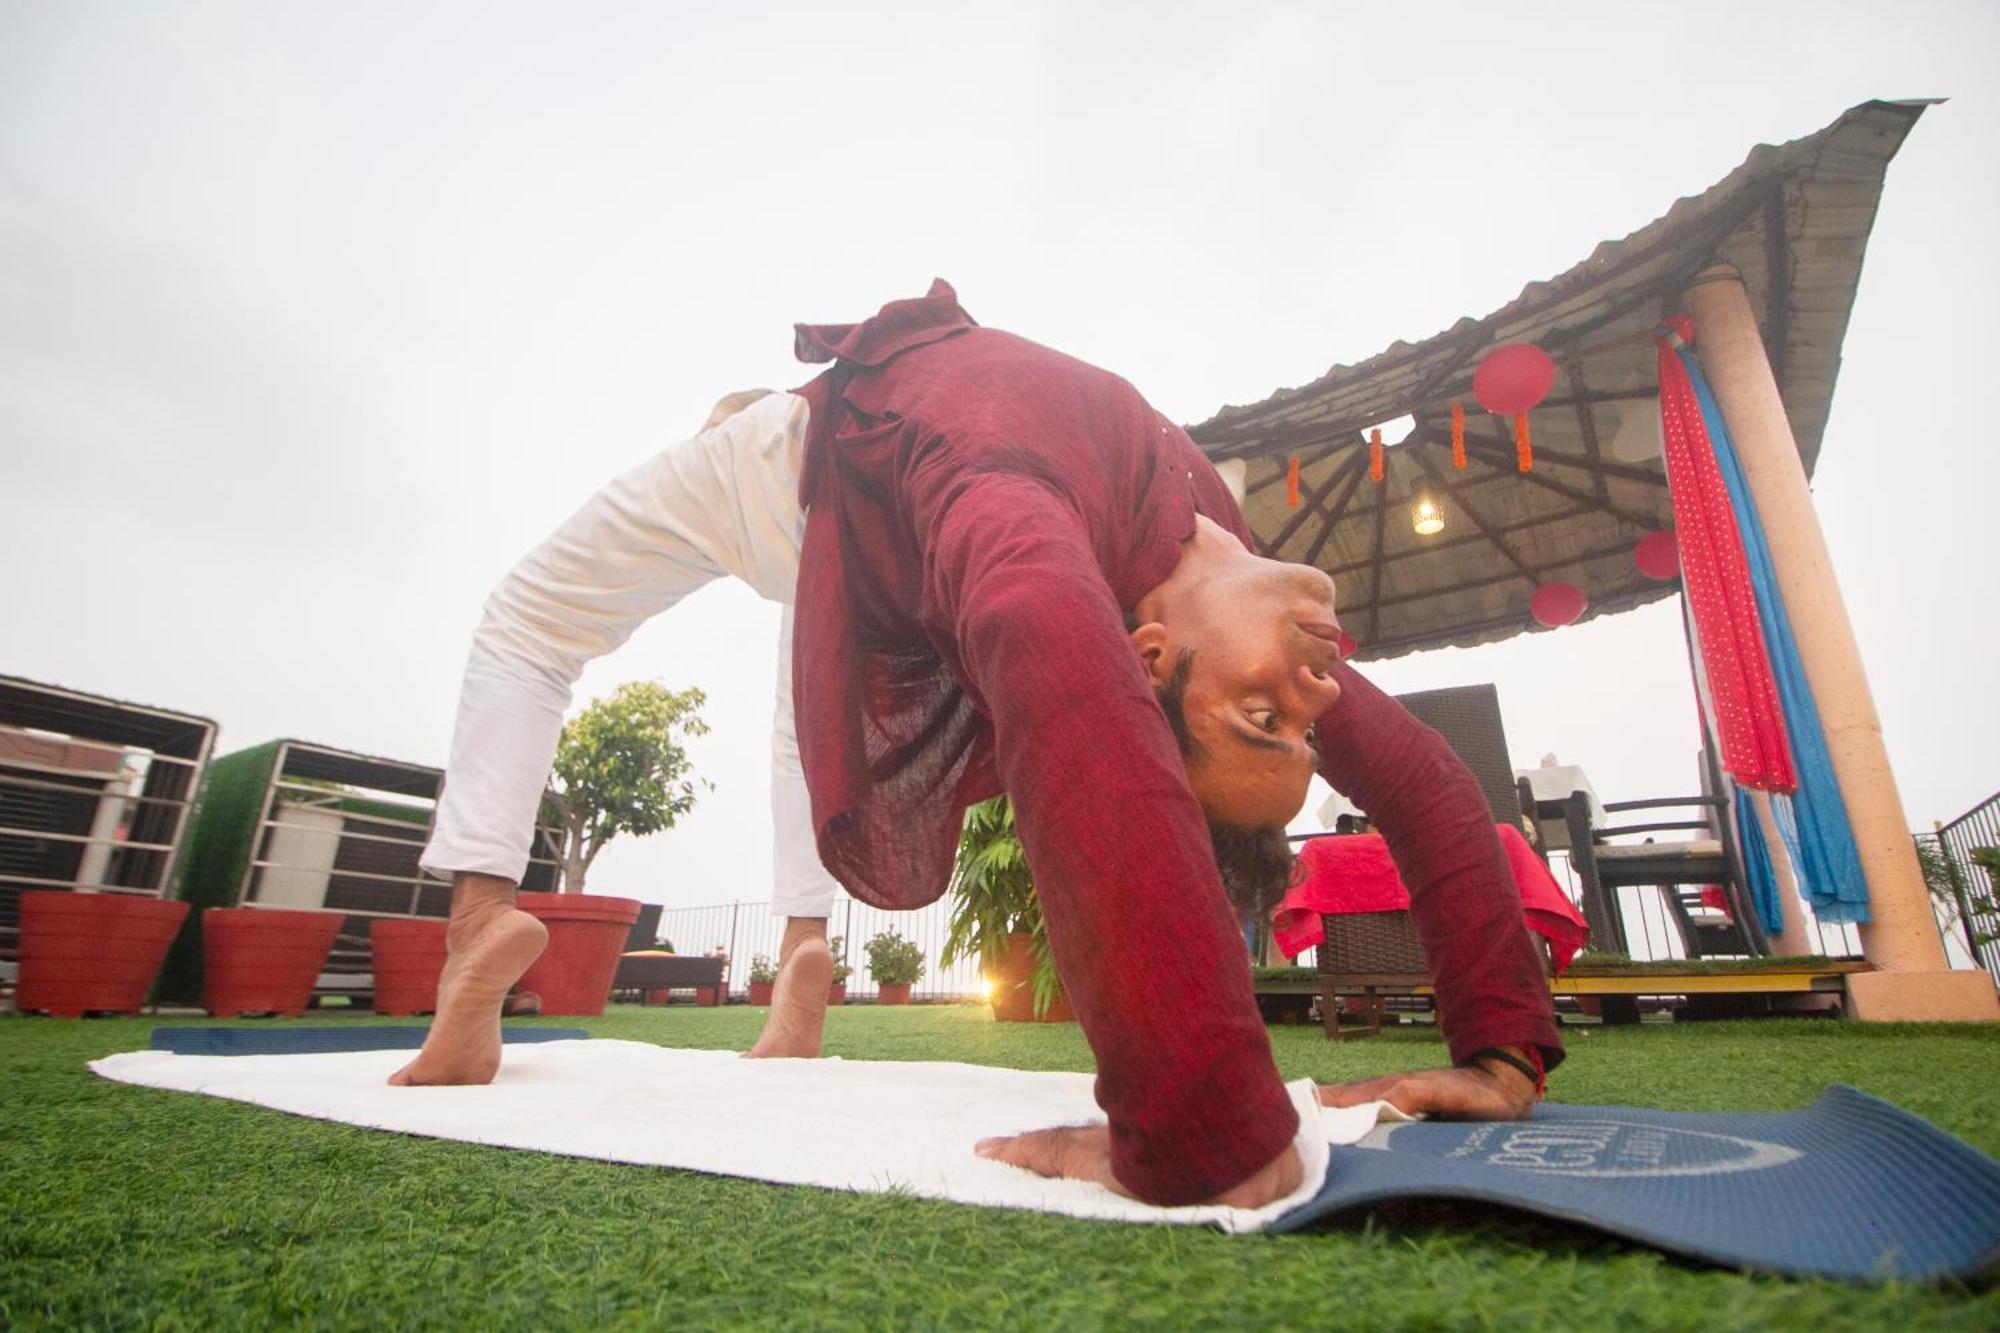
(1793, 219)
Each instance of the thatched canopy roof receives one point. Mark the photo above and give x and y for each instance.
(1794, 219)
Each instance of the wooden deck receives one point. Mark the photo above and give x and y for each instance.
(1615, 988)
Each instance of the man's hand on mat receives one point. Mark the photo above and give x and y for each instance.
(1485, 1091)
(1084, 1153)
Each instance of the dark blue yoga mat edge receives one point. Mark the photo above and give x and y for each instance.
(1850, 1188)
(324, 1040)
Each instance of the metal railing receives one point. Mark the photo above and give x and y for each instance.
(745, 930)
(1973, 888)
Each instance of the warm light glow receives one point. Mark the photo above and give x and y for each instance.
(1426, 515)
(985, 989)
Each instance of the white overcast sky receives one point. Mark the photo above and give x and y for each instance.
(314, 316)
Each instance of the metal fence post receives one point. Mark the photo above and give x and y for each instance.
(732, 948)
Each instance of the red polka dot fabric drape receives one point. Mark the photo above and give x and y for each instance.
(1749, 721)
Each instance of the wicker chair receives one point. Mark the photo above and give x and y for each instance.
(1373, 955)
(1369, 955)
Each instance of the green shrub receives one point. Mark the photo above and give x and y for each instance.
(893, 960)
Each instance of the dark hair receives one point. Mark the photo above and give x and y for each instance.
(1257, 865)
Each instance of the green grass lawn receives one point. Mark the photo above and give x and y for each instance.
(126, 1207)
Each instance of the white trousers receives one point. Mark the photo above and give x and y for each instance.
(722, 504)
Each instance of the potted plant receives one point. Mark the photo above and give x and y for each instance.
(408, 958)
(262, 960)
(997, 919)
(763, 977)
(84, 952)
(896, 964)
(619, 768)
(836, 993)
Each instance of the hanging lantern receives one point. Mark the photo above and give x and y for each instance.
(1426, 514)
(1557, 604)
(1345, 646)
(1524, 445)
(1458, 437)
(1292, 482)
(1658, 556)
(1510, 380)
(1375, 454)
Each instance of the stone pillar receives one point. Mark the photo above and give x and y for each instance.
(1913, 982)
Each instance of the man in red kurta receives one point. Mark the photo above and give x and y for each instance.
(1017, 576)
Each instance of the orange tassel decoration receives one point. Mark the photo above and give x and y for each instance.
(1458, 437)
(1375, 454)
(1292, 482)
(1524, 447)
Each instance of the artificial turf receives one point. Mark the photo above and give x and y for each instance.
(124, 1207)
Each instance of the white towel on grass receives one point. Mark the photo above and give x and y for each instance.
(864, 1125)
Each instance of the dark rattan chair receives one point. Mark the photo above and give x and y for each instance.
(1678, 867)
(1370, 956)
(664, 972)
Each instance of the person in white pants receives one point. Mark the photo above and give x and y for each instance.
(724, 503)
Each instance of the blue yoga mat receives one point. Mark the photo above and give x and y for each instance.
(1851, 1187)
(323, 1041)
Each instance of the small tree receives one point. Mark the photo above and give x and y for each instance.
(620, 769)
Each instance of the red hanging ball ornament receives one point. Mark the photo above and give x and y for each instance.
(1512, 379)
(1658, 556)
(1557, 604)
(1345, 646)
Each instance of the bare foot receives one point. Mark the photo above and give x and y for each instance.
(798, 1002)
(492, 944)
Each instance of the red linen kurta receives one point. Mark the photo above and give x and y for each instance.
(982, 510)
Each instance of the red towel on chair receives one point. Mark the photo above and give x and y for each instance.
(1355, 874)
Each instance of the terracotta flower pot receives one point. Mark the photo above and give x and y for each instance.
(836, 994)
(586, 936)
(760, 991)
(1014, 986)
(893, 992)
(409, 958)
(258, 960)
(91, 952)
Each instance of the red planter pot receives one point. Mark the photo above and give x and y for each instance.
(586, 936)
(409, 958)
(893, 992)
(836, 994)
(91, 952)
(262, 961)
(760, 991)
(1014, 987)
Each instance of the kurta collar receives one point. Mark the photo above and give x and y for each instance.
(897, 327)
